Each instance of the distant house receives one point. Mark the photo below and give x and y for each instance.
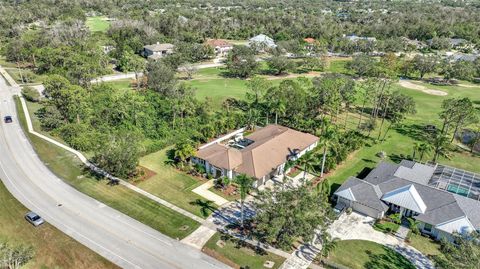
(310, 43)
(262, 42)
(456, 57)
(354, 38)
(445, 200)
(221, 47)
(157, 50)
(261, 155)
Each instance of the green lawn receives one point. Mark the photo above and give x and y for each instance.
(239, 256)
(121, 84)
(98, 24)
(174, 186)
(424, 244)
(53, 249)
(28, 76)
(71, 170)
(337, 65)
(4, 63)
(358, 254)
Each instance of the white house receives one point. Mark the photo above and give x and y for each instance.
(444, 200)
(262, 42)
(221, 47)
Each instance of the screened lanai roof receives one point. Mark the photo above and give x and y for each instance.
(457, 181)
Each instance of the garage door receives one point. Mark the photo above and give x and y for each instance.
(366, 210)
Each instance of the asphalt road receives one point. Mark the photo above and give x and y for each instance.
(119, 238)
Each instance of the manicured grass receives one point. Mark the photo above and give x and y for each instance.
(121, 85)
(98, 24)
(53, 249)
(386, 226)
(337, 65)
(358, 254)
(66, 166)
(219, 89)
(173, 185)
(240, 256)
(424, 244)
(399, 141)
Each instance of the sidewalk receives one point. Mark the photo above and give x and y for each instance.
(203, 191)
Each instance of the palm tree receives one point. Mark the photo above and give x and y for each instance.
(307, 162)
(183, 151)
(279, 108)
(424, 148)
(245, 184)
(416, 147)
(328, 244)
(442, 148)
(413, 225)
(326, 140)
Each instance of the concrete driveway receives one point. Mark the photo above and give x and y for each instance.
(359, 227)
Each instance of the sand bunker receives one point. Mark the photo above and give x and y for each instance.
(410, 85)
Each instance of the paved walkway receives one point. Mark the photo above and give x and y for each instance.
(402, 232)
(303, 256)
(203, 191)
(356, 226)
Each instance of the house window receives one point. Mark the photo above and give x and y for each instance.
(427, 227)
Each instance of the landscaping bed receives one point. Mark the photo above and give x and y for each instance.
(386, 226)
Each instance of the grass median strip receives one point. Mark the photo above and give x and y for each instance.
(53, 249)
(239, 254)
(66, 166)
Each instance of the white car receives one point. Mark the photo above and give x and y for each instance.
(34, 219)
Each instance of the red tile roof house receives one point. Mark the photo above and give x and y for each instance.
(261, 155)
(220, 46)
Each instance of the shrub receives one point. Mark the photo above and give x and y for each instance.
(30, 94)
(349, 211)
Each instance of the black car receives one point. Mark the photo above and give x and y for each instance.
(8, 119)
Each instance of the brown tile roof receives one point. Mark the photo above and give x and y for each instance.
(218, 43)
(272, 146)
(309, 40)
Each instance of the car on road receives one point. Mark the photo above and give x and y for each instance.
(34, 219)
(8, 119)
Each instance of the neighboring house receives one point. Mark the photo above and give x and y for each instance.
(262, 42)
(463, 57)
(443, 199)
(354, 38)
(261, 154)
(221, 47)
(157, 51)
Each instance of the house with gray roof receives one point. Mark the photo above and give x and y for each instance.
(158, 50)
(434, 195)
(262, 42)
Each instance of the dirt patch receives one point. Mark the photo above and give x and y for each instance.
(285, 76)
(409, 85)
(143, 174)
(220, 257)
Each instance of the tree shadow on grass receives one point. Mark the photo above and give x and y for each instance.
(388, 260)
(206, 206)
(242, 244)
(397, 158)
(415, 131)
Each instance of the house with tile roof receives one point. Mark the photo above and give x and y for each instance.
(434, 195)
(261, 155)
(220, 46)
